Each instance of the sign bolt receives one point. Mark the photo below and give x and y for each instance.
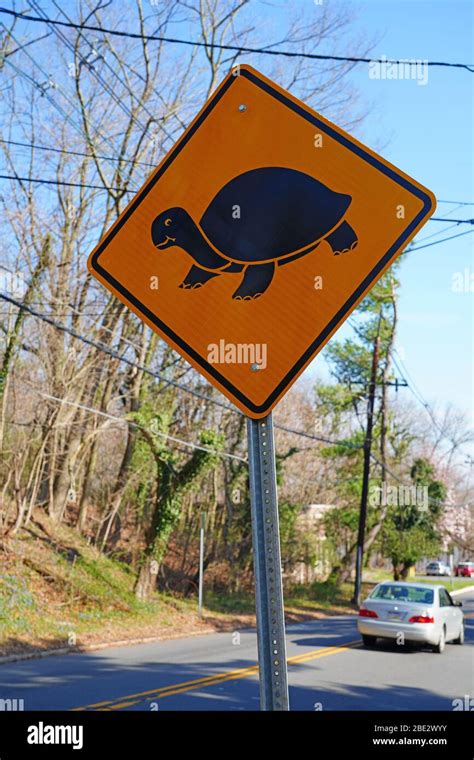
(242, 107)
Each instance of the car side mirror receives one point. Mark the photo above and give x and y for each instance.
(458, 604)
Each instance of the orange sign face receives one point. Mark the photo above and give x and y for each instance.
(257, 236)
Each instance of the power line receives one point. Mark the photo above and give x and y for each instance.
(27, 44)
(97, 75)
(437, 242)
(134, 190)
(112, 353)
(65, 313)
(418, 395)
(48, 81)
(115, 355)
(412, 386)
(440, 232)
(88, 65)
(238, 48)
(455, 221)
(459, 203)
(43, 90)
(100, 413)
(312, 437)
(35, 146)
(117, 76)
(60, 182)
(431, 500)
(44, 93)
(454, 208)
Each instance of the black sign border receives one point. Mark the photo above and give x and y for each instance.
(339, 316)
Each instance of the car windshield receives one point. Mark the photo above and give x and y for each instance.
(394, 592)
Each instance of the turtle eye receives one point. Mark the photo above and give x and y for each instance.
(167, 222)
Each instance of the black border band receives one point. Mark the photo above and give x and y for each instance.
(338, 318)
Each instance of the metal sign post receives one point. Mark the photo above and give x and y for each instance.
(267, 565)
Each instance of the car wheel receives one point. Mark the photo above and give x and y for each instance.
(439, 647)
(369, 641)
(460, 638)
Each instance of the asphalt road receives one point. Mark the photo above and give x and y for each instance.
(328, 669)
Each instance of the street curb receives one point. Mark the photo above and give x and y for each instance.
(40, 654)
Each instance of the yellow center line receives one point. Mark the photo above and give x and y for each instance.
(230, 675)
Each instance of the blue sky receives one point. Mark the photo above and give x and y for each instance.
(428, 132)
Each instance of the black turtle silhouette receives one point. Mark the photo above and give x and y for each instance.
(260, 219)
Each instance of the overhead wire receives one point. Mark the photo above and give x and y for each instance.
(35, 146)
(67, 117)
(397, 360)
(96, 74)
(40, 180)
(115, 355)
(45, 93)
(437, 242)
(100, 413)
(62, 37)
(219, 46)
(197, 394)
(26, 44)
(118, 78)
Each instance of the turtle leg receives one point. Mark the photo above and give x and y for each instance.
(257, 278)
(342, 239)
(196, 277)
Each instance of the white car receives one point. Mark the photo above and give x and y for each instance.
(437, 568)
(413, 612)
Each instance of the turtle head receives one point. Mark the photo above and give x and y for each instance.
(171, 227)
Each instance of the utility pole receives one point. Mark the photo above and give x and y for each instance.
(366, 474)
(201, 561)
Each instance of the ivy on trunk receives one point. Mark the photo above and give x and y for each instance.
(172, 485)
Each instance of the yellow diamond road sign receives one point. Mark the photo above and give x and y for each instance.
(256, 237)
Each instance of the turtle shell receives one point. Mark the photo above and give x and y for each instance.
(269, 213)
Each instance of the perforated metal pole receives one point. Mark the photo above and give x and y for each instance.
(267, 566)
